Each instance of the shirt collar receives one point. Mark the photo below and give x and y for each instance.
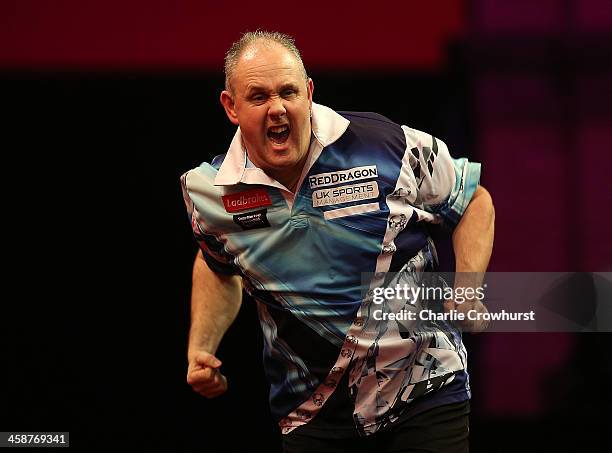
(327, 127)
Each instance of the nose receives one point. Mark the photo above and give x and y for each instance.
(277, 108)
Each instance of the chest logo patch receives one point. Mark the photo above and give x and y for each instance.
(345, 194)
(337, 177)
(248, 199)
(252, 220)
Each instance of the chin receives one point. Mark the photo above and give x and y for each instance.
(283, 163)
(285, 156)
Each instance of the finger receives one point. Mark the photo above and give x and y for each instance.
(207, 373)
(201, 377)
(203, 386)
(223, 380)
(206, 387)
(213, 393)
(219, 383)
(212, 390)
(206, 359)
(218, 380)
(205, 390)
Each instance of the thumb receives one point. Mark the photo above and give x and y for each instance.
(206, 359)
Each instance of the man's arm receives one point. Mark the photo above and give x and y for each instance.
(215, 301)
(473, 244)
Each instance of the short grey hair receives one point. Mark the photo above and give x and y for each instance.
(248, 39)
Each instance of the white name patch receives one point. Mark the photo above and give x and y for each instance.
(345, 194)
(337, 177)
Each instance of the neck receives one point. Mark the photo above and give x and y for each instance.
(289, 177)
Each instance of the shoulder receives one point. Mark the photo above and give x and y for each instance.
(366, 117)
(370, 123)
(375, 123)
(202, 176)
(373, 130)
(419, 140)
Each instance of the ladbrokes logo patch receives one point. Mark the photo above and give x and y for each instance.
(248, 199)
(345, 194)
(337, 177)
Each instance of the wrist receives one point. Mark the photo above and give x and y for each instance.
(195, 349)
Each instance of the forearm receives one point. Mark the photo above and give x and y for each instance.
(473, 237)
(215, 301)
(473, 244)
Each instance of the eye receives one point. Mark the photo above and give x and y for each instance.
(258, 97)
(289, 92)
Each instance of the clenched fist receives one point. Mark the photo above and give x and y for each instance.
(203, 375)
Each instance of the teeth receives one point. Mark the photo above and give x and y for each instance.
(278, 129)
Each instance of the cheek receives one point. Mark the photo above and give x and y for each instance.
(304, 120)
(253, 125)
(301, 116)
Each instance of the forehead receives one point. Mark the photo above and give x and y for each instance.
(266, 64)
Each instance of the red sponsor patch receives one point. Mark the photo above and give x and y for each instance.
(246, 200)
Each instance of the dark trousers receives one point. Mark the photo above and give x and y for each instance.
(442, 429)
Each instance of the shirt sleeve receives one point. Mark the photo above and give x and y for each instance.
(213, 250)
(444, 185)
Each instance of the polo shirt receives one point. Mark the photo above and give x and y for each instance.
(310, 259)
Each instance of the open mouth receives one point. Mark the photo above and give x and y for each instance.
(278, 134)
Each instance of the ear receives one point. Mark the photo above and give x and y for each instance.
(228, 104)
(310, 91)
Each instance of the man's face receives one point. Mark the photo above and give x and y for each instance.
(271, 102)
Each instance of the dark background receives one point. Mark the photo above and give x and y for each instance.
(105, 106)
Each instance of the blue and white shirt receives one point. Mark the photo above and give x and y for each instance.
(365, 196)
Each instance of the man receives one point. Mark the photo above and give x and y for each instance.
(305, 201)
